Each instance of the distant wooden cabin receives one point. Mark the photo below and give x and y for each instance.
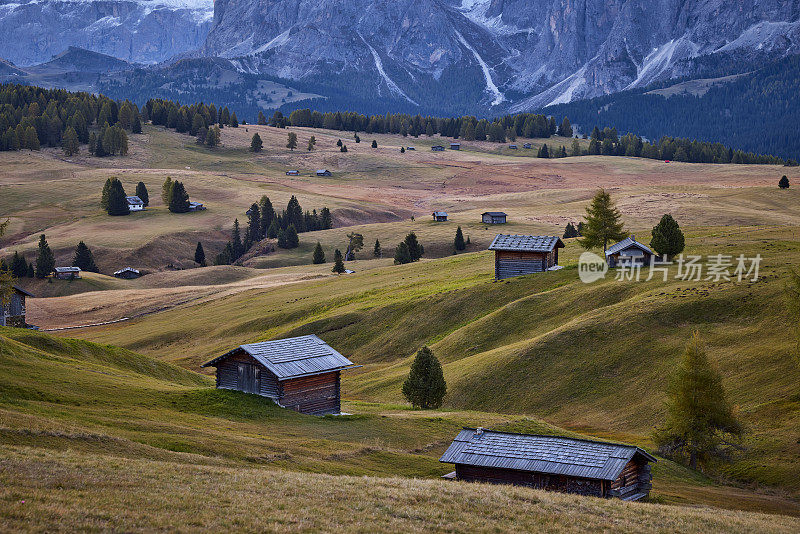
(493, 217)
(440, 216)
(292, 173)
(512, 147)
(196, 206)
(299, 373)
(411, 148)
(527, 145)
(455, 146)
(67, 273)
(324, 172)
(13, 312)
(437, 148)
(569, 465)
(518, 255)
(135, 203)
(128, 273)
(628, 252)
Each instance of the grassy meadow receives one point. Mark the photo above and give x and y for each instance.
(541, 353)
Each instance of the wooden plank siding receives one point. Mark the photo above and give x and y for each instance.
(634, 478)
(566, 484)
(509, 264)
(316, 394)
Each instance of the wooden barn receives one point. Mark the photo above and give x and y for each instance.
(67, 273)
(324, 172)
(293, 173)
(437, 148)
(128, 273)
(493, 217)
(13, 312)
(552, 463)
(440, 216)
(196, 206)
(628, 252)
(517, 255)
(135, 203)
(299, 373)
(455, 146)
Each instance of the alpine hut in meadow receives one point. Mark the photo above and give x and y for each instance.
(555, 463)
(135, 203)
(517, 255)
(628, 252)
(299, 373)
(67, 273)
(13, 311)
(440, 216)
(493, 217)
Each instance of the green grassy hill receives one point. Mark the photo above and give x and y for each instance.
(96, 437)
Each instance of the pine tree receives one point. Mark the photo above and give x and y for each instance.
(312, 141)
(179, 198)
(667, 237)
(459, 243)
(402, 255)
(45, 261)
(282, 238)
(70, 142)
(338, 263)
(415, 249)
(565, 130)
(291, 142)
(237, 248)
(783, 183)
(326, 219)
(136, 127)
(141, 192)
(402, 150)
(570, 231)
(213, 137)
(543, 152)
(117, 199)
(374, 144)
(200, 255)
(256, 144)
(343, 149)
(576, 147)
(262, 120)
(234, 120)
(166, 191)
(267, 215)
(104, 195)
(274, 231)
(603, 222)
(425, 386)
(292, 239)
(376, 250)
(19, 267)
(84, 259)
(699, 418)
(319, 254)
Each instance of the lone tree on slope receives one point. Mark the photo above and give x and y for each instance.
(783, 183)
(603, 223)
(200, 255)
(256, 144)
(179, 198)
(291, 143)
(84, 259)
(668, 238)
(425, 386)
(319, 254)
(458, 242)
(45, 261)
(338, 264)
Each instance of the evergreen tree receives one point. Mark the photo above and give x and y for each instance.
(179, 198)
(45, 261)
(326, 219)
(84, 259)
(292, 239)
(31, 270)
(699, 418)
(267, 215)
(70, 142)
(136, 127)
(543, 152)
(459, 243)
(339, 143)
(200, 255)
(338, 264)
(104, 195)
(32, 139)
(565, 130)
(282, 238)
(401, 254)
(237, 248)
(343, 149)
(291, 143)
(402, 150)
(374, 144)
(576, 147)
(117, 199)
(254, 223)
(234, 120)
(166, 191)
(319, 254)
(274, 230)
(376, 250)
(213, 137)
(425, 386)
(294, 215)
(415, 249)
(256, 144)
(570, 231)
(19, 267)
(667, 237)
(141, 192)
(312, 141)
(603, 222)
(262, 120)
(581, 226)
(783, 183)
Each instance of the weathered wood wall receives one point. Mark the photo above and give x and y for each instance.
(318, 394)
(564, 484)
(509, 264)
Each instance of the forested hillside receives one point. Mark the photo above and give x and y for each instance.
(758, 111)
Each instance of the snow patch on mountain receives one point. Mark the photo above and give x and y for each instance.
(499, 97)
(661, 59)
(393, 87)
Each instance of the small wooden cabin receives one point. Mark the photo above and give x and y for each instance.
(67, 273)
(517, 255)
(455, 146)
(512, 147)
(411, 148)
(128, 273)
(437, 148)
(493, 217)
(292, 173)
(299, 373)
(196, 206)
(628, 252)
(527, 145)
(13, 312)
(324, 172)
(440, 216)
(552, 463)
(135, 203)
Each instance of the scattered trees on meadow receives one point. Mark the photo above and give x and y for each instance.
(374, 144)
(700, 421)
(178, 198)
(45, 261)
(291, 142)
(312, 141)
(668, 238)
(376, 250)
(570, 231)
(425, 386)
(114, 199)
(256, 144)
(319, 255)
(458, 243)
(783, 183)
(84, 258)
(200, 255)
(603, 222)
(338, 262)
(410, 250)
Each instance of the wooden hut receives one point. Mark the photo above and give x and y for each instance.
(517, 255)
(196, 206)
(553, 463)
(455, 146)
(292, 173)
(628, 252)
(135, 203)
(67, 273)
(299, 373)
(324, 172)
(128, 273)
(437, 148)
(493, 217)
(440, 216)
(13, 312)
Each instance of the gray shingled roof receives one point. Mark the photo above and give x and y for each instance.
(67, 269)
(440, 214)
(292, 357)
(625, 243)
(541, 454)
(494, 213)
(526, 243)
(134, 200)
